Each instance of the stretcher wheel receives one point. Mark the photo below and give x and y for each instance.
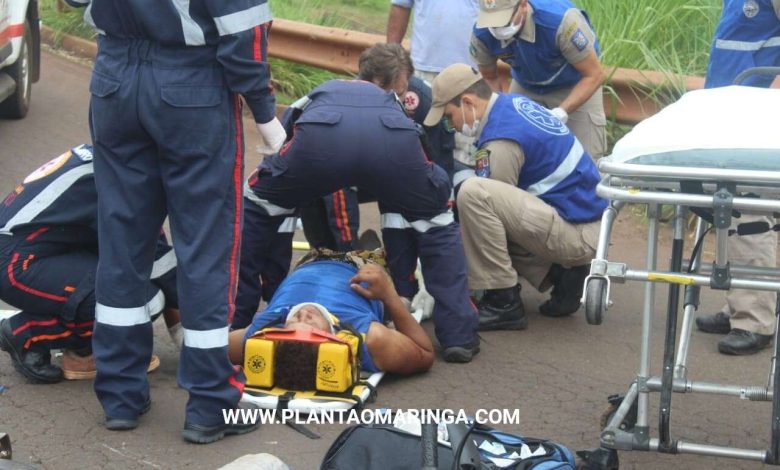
(595, 300)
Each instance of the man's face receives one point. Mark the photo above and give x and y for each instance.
(308, 318)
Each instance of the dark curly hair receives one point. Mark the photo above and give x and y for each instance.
(296, 366)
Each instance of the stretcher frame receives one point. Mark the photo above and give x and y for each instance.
(722, 191)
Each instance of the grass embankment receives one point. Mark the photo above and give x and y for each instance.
(666, 35)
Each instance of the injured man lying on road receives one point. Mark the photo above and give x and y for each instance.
(331, 291)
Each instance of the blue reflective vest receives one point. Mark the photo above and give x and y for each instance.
(326, 283)
(538, 66)
(557, 168)
(748, 35)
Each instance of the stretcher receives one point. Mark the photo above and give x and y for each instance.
(313, 401)
(715, 153)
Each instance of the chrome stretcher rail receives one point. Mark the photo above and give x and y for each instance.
(680, 173)
(683, 199)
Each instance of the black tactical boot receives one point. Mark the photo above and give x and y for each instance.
(742, 343)
(462, 353)
(718, 323)
(566, 292)
(502, 309)
(34, 364)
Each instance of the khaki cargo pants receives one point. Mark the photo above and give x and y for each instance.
(588, 123)
(508, 232)
(752, 310)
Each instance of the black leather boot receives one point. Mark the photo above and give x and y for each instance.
(718, 323)
(742, 342)
(34, 364)
(566, 292)
(199, 434)
(502, 309)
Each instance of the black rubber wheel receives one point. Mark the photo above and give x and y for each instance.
(595, 300)
(17, 105)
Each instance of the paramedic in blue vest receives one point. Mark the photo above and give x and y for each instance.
(166, 123)
(748, 35)
(353, 133)
(553, 52)
(334, 223)
(531, 209)
(323, 294)
(49, 253)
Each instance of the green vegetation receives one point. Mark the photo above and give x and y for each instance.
(666, 35)
(68, 21)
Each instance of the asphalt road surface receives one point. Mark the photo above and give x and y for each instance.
(557, 373)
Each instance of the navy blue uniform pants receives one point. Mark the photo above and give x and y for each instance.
(372, 149)
(53, 284)
(168, 140)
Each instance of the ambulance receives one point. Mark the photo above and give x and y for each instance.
(20, 55)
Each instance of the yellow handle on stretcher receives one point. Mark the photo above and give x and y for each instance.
(671, 279)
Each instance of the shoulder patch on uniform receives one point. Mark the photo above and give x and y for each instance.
(579, 40)
(472, 49)
(48, 168)
(482, 163)
(411, 101)
(84, 152)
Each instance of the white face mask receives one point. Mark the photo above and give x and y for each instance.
(503, 33)
(469, 130)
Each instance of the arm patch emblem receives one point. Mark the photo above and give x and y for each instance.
(579, 40)
(482, 163)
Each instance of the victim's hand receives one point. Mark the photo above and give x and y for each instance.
(379, 285)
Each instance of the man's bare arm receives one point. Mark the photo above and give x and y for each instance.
(405, 350)
(397, 22)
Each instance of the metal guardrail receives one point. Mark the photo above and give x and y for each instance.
(636, 94)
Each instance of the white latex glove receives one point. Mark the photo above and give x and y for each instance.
(423, 300)
(177, 335)
(274, 136)
(561, 114)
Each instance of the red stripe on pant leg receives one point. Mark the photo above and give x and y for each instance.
(36, 233)
(39, 338)
(345, 217)
(235, 383)
(234, 253)
(32, 323)
(27, 289)
(257, 51)
(337, 212)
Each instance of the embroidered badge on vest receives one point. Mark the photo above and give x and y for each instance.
(539, 116)
(411, 101)
(750, 8)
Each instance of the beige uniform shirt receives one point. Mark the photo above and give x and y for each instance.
(504, 158)
(572, 48)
